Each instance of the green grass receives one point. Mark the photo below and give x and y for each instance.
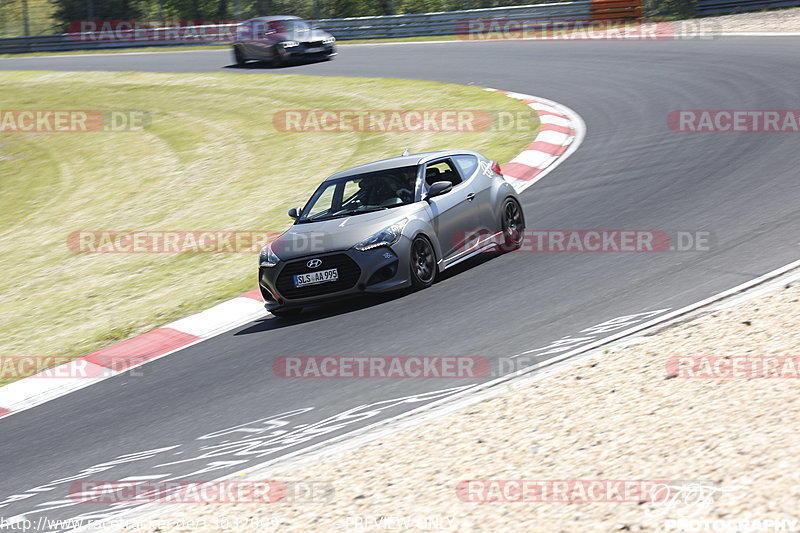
(210, 159)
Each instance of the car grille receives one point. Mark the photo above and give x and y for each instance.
(348, 271)
(314, 44)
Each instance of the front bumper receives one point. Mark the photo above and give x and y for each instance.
(306, 50)
(374, 271)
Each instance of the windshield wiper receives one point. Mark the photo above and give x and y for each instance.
(343, 214)
(359, 211)
(364, 209)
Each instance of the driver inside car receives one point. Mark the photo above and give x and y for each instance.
(406, 192)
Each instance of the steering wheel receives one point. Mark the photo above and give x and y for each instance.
(405, 194)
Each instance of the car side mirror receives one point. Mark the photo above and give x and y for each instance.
(439, 188)
(294, 213)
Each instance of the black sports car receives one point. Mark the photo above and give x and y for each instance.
(279, 40)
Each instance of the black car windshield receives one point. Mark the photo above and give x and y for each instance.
(361, 193)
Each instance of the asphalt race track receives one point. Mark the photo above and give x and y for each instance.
(632, 172)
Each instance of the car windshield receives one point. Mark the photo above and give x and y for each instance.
(289, 26)
(361, 193)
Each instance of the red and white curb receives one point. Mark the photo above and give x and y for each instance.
(129, 354)
(562, 130)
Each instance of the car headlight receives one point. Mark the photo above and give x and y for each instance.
(385, 237)
(329, 40)
(267, 257)
(290, 44)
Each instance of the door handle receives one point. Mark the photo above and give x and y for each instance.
(470, 196)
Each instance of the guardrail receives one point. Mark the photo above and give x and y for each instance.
(104, 40)
(417, 25)
(449, 22)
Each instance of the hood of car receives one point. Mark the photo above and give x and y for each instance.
(304, 36)
(309, 238)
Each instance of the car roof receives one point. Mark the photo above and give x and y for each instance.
(398, 162)
(275, 17)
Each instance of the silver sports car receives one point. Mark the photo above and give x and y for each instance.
(387, 225)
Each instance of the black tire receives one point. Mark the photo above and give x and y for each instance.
(422, 263)
(292, 312)
(238, 56)
(512, 221)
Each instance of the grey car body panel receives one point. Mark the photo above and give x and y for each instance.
(444, 220)
(337, 234)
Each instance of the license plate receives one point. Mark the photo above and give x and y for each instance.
(315, 49)
(312, 278)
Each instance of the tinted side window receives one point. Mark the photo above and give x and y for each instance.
(441, 171)
(466, 164)
(277, 26)
(244, 32)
